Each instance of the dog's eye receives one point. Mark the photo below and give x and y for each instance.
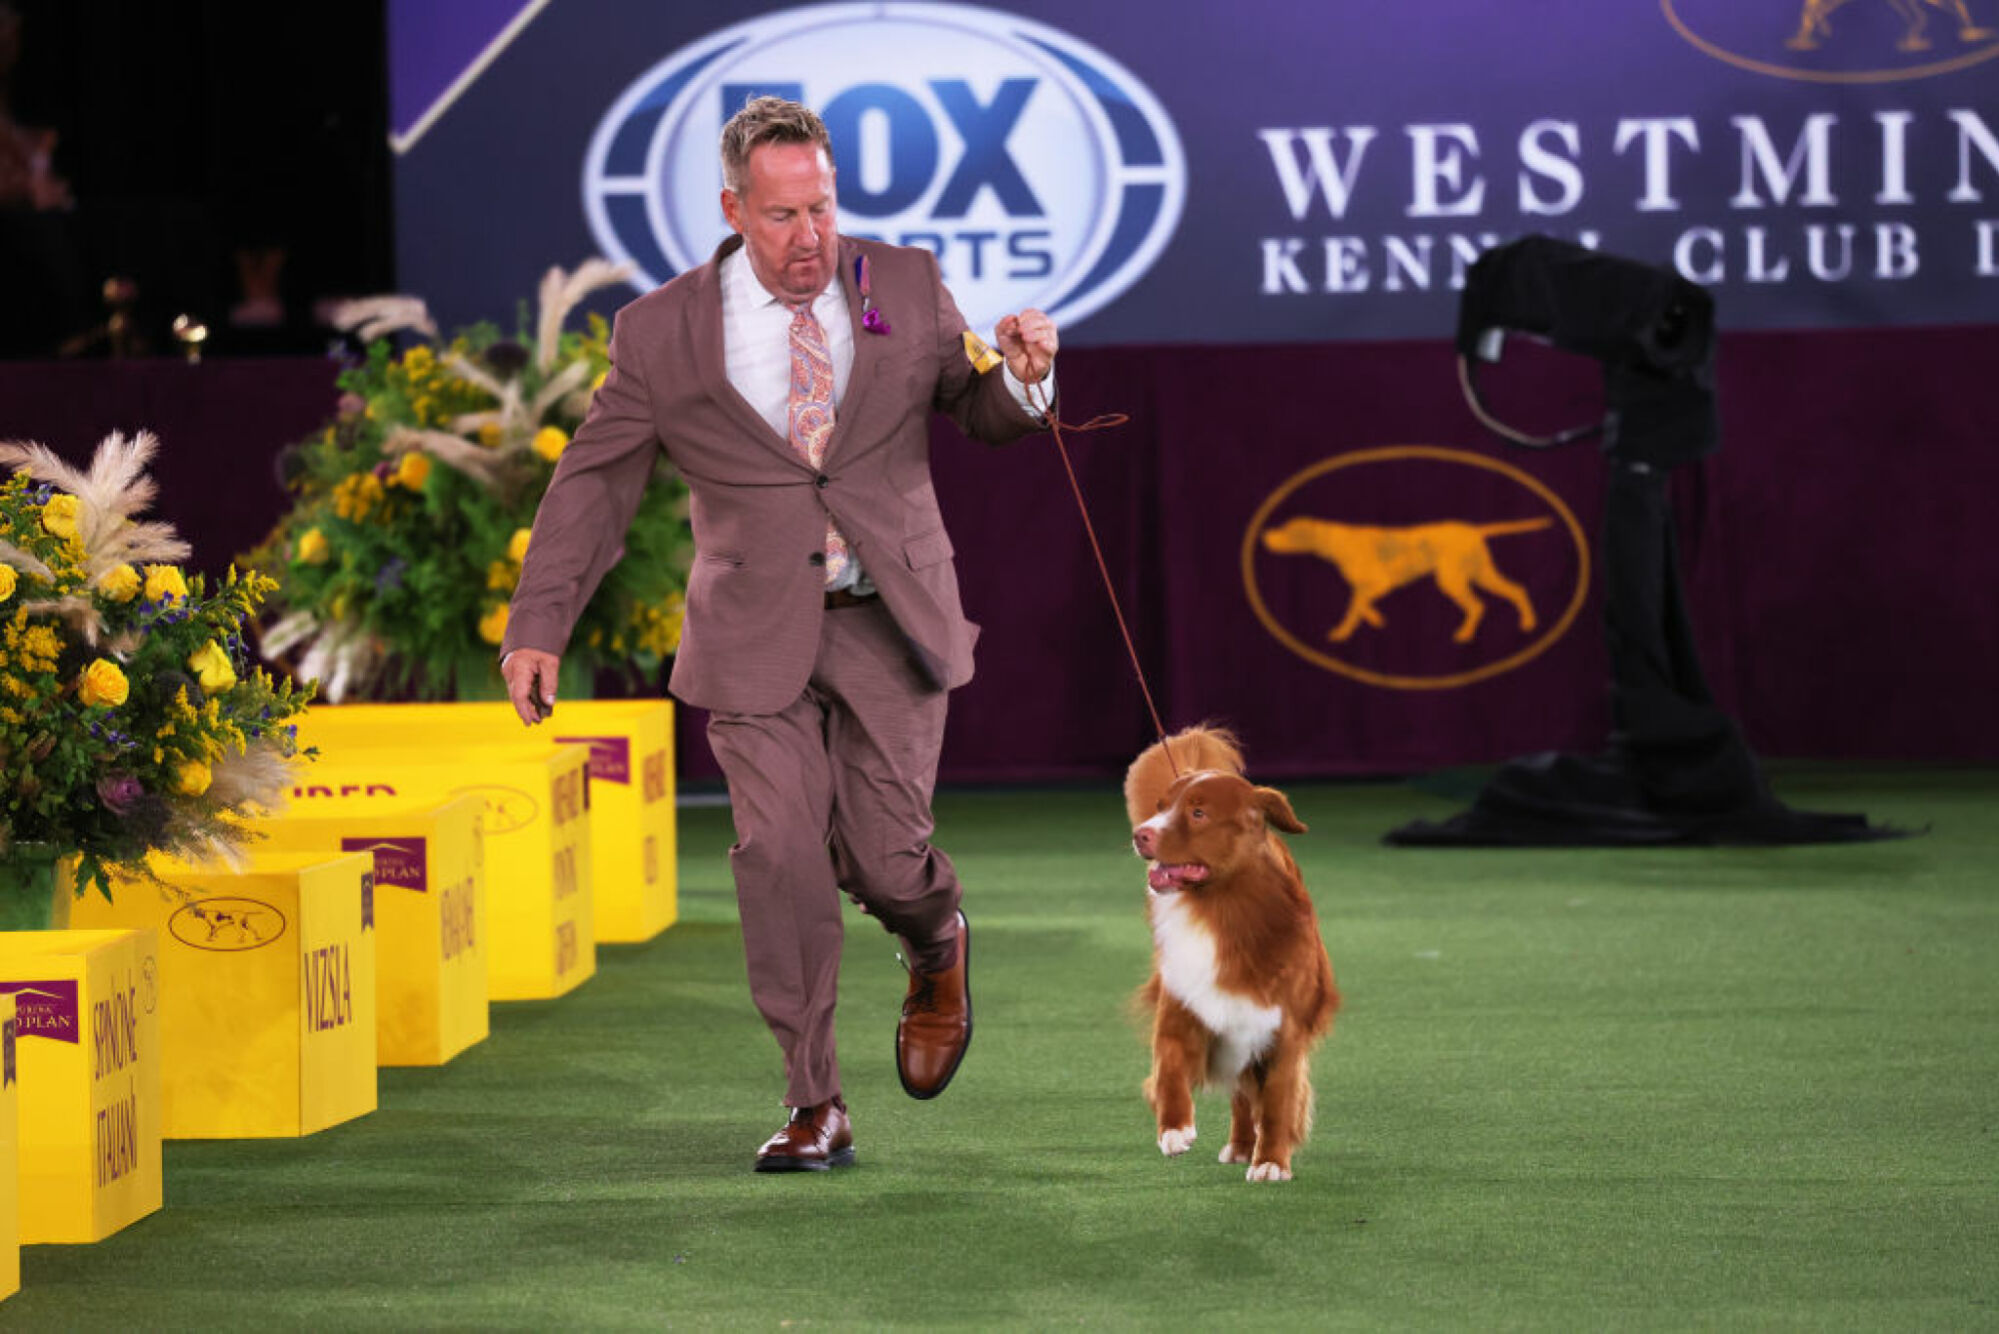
(1198, 813)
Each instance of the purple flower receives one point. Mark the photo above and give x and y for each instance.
(871, 318)
(119, 793)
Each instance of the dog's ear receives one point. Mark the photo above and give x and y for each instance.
(1277, 810)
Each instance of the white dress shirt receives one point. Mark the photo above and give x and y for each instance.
(756, 353)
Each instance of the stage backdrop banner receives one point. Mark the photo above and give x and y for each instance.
(1268, 171)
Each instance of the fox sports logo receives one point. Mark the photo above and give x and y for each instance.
(1036, 167)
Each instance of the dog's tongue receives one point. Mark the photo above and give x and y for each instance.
(1163, 876)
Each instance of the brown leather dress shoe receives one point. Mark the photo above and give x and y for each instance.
(815, 1139)
(936, 1024)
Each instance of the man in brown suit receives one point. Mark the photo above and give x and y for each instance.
(790, 380)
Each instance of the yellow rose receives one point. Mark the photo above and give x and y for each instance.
(598, 383)
(103, 683)
(312, 547)
(212, 665)
(489, 434)
(517, 550)
(120, 583)
(7, 581)
(412, 470)
(193, 777)
(493, 625)
(60, 514)
(165, 584)
(550, 441)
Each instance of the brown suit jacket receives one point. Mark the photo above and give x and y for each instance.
(755, 595)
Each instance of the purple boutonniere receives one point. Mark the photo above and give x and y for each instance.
(871, 317)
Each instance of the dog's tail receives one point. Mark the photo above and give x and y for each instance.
(1196, 748)
(1514, 526)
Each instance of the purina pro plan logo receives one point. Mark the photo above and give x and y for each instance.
(1036, 167)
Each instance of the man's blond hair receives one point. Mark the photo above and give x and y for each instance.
(767, 120)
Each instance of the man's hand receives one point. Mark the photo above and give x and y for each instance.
(1028, 341)
(530, 676)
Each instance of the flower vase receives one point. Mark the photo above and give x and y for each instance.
(35, 889)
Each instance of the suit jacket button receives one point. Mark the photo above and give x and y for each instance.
(817, 558)
(822, 481)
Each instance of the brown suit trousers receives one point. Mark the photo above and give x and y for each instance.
(832, 795)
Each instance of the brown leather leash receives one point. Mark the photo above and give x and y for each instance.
(1046, 407)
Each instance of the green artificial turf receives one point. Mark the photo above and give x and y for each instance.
(1739, 1088)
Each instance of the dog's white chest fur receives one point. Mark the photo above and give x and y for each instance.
(1243, 1030)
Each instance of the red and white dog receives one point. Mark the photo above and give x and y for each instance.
(1241, 987)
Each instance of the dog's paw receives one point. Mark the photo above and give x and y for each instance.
(1268, 1172)
(1233, 1154)
(1173, 1143)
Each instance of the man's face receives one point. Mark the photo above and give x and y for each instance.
(785, 215)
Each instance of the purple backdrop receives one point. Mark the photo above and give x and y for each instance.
(1838, 558)
(1264, 171)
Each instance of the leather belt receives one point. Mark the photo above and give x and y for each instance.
(847, 597)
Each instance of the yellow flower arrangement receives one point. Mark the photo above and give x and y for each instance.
(8, 582)
(412, 510)
(130, 720)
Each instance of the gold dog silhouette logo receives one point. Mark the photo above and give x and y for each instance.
(226, 924)
(1346, 528)
(507, 808)
(1377, 561)
(1841, 41)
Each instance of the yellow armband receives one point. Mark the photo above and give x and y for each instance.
(983, 358)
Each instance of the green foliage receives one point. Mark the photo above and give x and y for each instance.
(130, 719)
(411, 514)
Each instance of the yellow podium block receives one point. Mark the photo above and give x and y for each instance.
(10, 1156)
(430, 919)
(87, 1061)
(268, 979)
(541, 931)
(635, 859)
